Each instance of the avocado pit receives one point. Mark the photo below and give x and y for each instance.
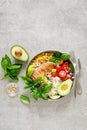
(18, 52)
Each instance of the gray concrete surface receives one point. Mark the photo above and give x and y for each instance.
(41, 25)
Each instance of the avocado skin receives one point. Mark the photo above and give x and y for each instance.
(22, 49)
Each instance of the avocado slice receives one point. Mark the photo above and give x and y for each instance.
(30, 70)
(64, 87)
(19, 53)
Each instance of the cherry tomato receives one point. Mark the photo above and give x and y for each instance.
(67, 70)
(61, 62)
(65, 78)
(65, 67)
(58, 68)
(62, 74)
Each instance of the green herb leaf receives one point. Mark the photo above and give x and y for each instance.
(46, 88)
(37, 81)
(65, 56)
(35, 93)
(27, 80)
(52, 59)
(5, 62)
(38, 87)
(11, 70)
(57, 62)
(14, 66)
(72, 68)
(57, 54)
(13, 78)
(25, 99)
(6, 75)
(44, 96)
(28, 86)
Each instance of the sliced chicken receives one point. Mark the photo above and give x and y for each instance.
(42, 69)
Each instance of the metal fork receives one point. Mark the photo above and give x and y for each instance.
(78, 88)
(77, 66)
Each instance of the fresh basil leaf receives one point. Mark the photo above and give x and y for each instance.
(37, 81)
(6, 75)
(25, 99)
(57, 62)
(57, 54)
(72, 68)
(35, 93)
(28, 86)
(14, 66)
(5, 62)
(65, 56)
(27, 80)
(13, 72)
(13, 78)
(47, 88)
(52, 59)
(44, 96)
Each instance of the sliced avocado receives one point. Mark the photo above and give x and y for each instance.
(55, 97)
(19, 53)
(64, 87)
(30, 70)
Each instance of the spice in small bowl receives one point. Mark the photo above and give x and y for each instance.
(12, 89)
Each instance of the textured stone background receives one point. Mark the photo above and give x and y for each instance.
(41, 25)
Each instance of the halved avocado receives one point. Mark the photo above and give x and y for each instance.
(64, 87)
(19, 53)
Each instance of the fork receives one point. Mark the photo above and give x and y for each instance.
(77, 66)
(78, 89)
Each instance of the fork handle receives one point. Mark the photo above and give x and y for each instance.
(78, 88)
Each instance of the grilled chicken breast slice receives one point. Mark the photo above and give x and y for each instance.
(42, 69)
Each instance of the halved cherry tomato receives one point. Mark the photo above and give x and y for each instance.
(65, 78)
(58, 68)
(62, 74)
(67, 70)
(65, 67)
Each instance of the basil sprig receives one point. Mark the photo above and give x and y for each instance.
(38, 87)
(11, 70)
